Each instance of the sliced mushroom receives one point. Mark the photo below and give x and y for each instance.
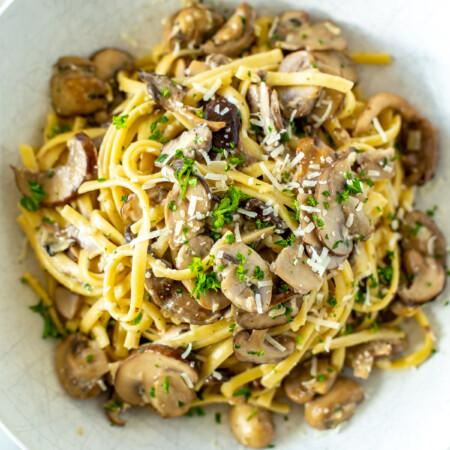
(361, 357)
(278, 314)
(60, 184)
(292, 31)
(185, 221)
(216, 60)
(190, 27)
(297, 100)
(420, 152)
(131, 209)
(419, 232)
(333, 408)
(192, 143)
(109, 61)
(358, 223)
(254, 430)
(258, 206)
(301, 385)
(258, 347)
(332, 231)
(76, 89)
(238, 278)
(199, 247)
(173, 298)
(263, 100)
(336, 63)
(316, 154)
(80, 366)
(327, 106)
(291, 268)
(236, 35)
(427, 278)
(157, 376)
(221, 109)
(170, 96)
(67, 303)
(377, 164)
(398, 308)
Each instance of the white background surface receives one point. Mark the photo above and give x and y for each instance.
(404, 410)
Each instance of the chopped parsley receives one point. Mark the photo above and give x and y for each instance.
(56, 129)
(138, 318)
(246, 392)
(166, 93)
(228, 204)
(161, 158)
(120, 121)
(252, 414)
(332, 301)
(259, 273)
(165, 385)
(32, 203)
(286, 242)
(203, 281)
(49, 327)
(185, 176)
(172, 206)
(218, 417)
(229, 238)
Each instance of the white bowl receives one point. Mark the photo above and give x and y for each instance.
(404, 410)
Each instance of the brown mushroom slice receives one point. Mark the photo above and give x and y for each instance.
(327, 106)
(316, 153)
(221, 109)
(258, 347)
(76, 89)
(297, 100)
(80, 366)
(157, 376)
(170, 96)
(108, 61)
(333, 408)
(318, 36)
(421, 142)
(194, 144)
(254, 429)
(358, 223)
(215, 60)
(199, 246)
(361, 357)
(277, 315)
(400, 309)
(61, 183)
(301, 386)
(173, 298)
(377, 164)
(263, 100)
(336, 63)
(190, 26)
(258, 206)
(292, 269)
(419, 232)
(285, 26)
(427, 278)
(185, 218)
(238, 278)
(67, 303)
(235, 35)
(332, 182)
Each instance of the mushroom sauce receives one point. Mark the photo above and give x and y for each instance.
(230, 220)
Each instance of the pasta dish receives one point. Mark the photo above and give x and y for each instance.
(229, 220)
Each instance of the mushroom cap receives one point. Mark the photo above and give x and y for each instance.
(235, 35)
(300, 276)
(419, 232)
(377, 164)
(76, 89)
(220, 109)
(300, 386)
(179, 212)
(61, 183)
(252, 430)
(297, 98)
(338, 63)
(316, 153)
(156, 375)
(192, 143)
(78, 372)
(173, 298)
(294, 32)
(200, 246)
(243, 289)
(257, 348)
(67, 303)
(361, 357)
(108, 61)
(336, 406)
(190, 26)
(428, 278)
(277, 315)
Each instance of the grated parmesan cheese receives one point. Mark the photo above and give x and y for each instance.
(379, 128)
(188, 350)
(258, 303)
(274, 343)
